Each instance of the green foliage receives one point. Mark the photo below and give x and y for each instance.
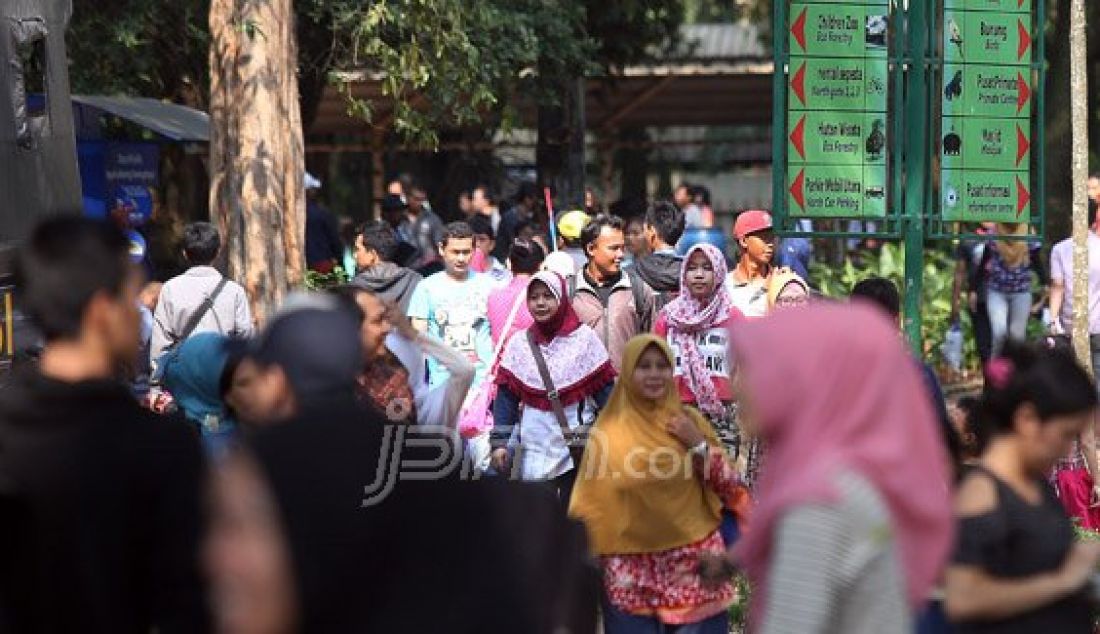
(153, 48)
(739, 611)
(444, 63)
(702, 11)
(322, 281)
(462, 62)
(939, 271)
(451, 62)
(1084, 534)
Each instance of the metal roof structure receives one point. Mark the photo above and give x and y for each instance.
(172, 121)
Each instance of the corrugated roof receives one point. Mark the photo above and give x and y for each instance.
(176, 122)
(723, 41)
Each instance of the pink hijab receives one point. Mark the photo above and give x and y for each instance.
(687, 317)
(832, 388)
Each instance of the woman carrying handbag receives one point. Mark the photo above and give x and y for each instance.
(560, 373)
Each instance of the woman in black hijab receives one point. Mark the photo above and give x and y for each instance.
(313, 532)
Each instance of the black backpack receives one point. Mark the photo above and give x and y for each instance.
(647, 301)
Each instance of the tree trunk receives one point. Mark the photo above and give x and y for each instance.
(1079, 117)
(257, 159)
(559, 154)
(634, 165)
(1058, 134)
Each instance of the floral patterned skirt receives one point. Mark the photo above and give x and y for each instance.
(666, 584)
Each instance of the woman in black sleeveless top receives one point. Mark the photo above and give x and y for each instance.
(1016, 567)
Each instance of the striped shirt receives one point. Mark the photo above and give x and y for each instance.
(835, 569)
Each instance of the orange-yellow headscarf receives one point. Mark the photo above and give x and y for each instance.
(636, 490)
(779, 280)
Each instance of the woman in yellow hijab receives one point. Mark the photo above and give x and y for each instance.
(786, 289)
(650, 490)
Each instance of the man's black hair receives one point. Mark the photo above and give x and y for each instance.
(63, 264)
(349, 231)
(527, 189)
(201, 243)
(481, 225)
(629, 207)
(525, 256)
(1092, 212)
(667, 220)
(523, 225)
(487, 191)
(881, 292)
(701, 193)
(403, 179)
(592, 230)
(456, 231)
(378, 236)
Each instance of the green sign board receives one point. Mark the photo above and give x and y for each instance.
(979, 37)
(839, 29)
(986, 91)
(837, 138)
(838, 84)
(838, 132)
(989, 144)
(837, 191)
(985, 196)
(919, 116)
(998, 6)
(985, 140)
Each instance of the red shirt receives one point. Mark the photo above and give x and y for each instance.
(714, 346)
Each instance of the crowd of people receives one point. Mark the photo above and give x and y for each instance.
(483, 430)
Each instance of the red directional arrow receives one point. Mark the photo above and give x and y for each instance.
(798, 137)
(1023, 197)
(799, 83)
(1025, 40)
(798, 29)
(1022, 145)
(798, 189)
(1024, 92)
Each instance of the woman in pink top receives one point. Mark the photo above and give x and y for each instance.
(696, 325)
(524, 257)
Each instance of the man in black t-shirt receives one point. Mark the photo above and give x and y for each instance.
(100, 510)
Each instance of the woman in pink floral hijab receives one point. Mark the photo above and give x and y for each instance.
(696, 325)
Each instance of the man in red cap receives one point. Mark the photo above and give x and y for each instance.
(748, 281)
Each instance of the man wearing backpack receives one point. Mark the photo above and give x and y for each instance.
(603, 297)
(200, 300)
(655, 278)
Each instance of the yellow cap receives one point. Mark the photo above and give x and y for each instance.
(571, 223)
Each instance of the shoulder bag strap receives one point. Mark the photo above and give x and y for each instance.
(200, 312)
(551, 391)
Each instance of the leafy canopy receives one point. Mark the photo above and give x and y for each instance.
(442, 62)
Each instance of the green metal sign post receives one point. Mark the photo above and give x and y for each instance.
(916, 174)
(915, 119)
